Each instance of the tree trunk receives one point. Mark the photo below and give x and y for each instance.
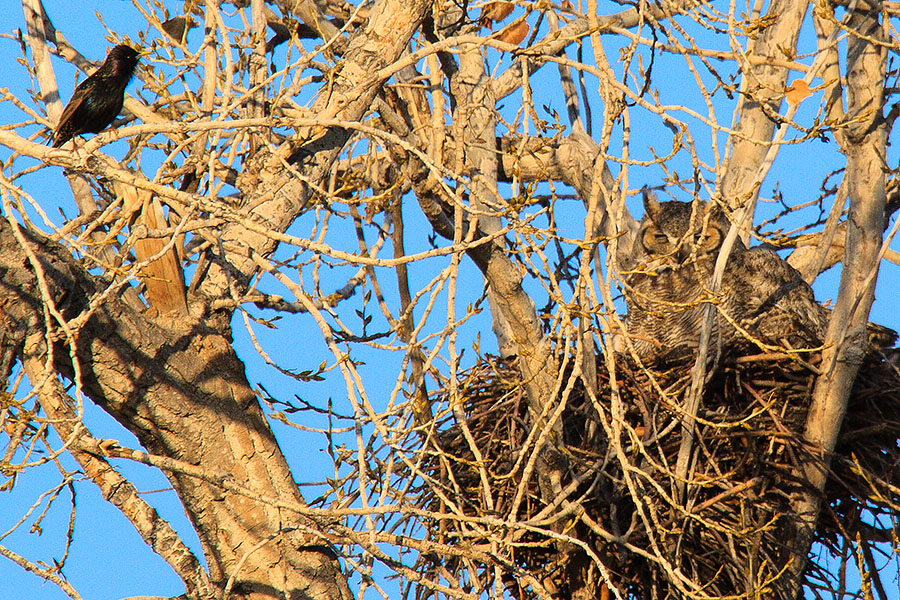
(183, 392)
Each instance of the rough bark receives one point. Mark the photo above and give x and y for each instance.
(762, 91)
(183, 392)
(180, 387)
(273, 194)
(475, 123)
(846, 339)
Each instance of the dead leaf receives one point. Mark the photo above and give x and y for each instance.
(797, 92)
(177, 27)
(515, 33)
(493, 12)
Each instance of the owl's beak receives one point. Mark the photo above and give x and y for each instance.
(660, 265)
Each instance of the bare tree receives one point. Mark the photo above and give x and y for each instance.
(346, 172)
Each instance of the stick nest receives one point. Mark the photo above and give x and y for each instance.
(627, 520)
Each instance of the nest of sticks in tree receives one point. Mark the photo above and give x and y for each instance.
(727, 524)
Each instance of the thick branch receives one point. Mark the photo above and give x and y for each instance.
(571, 161)
(183, 392)
(846, 340)
(117, 490)
(271, 183)
(762, 90)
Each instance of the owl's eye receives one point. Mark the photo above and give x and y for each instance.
(655, 240)
(709, 241)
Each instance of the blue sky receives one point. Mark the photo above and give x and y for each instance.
(107, 559)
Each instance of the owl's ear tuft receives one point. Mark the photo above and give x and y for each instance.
(651, 204)
(717, 214)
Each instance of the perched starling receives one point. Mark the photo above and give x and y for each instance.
(99, 98)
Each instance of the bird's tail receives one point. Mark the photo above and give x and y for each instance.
(51, 140)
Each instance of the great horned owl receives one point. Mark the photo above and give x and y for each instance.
(674, 256)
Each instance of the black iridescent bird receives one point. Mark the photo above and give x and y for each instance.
(98, 99)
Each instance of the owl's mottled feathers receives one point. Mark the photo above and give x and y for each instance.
(675, 254)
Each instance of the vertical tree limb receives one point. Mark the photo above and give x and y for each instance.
(762, 89)
(117, 490)
(474, 124)
(183, 392)
(846, 339)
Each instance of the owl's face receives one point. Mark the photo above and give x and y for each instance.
(673, 234)
(667, 290)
